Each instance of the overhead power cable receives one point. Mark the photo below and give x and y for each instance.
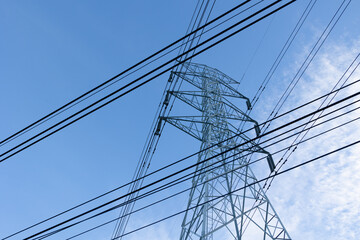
(280, 56)
(123, 72)
(200, 162)
(144, 82)
(283, 51)
(248, 185)
(290, 151)
(186, 39)
(183, 159)
(153, 138)
(308, 60)
(44, 120)
(180, 179)
(310, 57)
(183, 179)
(213, 166)
(284, 159)
(252, 162)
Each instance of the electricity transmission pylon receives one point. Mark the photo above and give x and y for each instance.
(215, 210)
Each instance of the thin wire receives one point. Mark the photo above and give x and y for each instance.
(179, 161)
(256, 50)
(178, 193)
(332, 98)
(248, 185)
(200, 162)
(148, 80)
(280, 56)
(284, 50)
(294, 85)
(320, 40)
(147, 159)
(310, 57)
(113, 81)
(321, 44)
(201, 171)
(127, 70)
(333, 17)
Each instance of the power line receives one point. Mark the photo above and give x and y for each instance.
(201, 171)
(125, 71)
(145, 160)
(114, 80)
(178, 193)
(280, 57)
(319, 43)
(137, 179)
(184, 169)
(143, 83)
(183, 159)
(284, 50)
(248, 185)
(332, 98)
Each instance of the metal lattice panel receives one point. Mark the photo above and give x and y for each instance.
(215, 210)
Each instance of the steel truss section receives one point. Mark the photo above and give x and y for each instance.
(215, 209)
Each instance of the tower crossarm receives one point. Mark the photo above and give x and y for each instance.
(193, 125)
(225, 90)
(198, 67)
(195, 99)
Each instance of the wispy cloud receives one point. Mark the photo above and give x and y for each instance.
(320, 201)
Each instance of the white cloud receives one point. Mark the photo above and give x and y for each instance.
(320, 201)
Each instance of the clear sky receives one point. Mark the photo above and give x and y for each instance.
(53, 51)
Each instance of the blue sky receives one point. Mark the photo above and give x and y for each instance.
(53, 51)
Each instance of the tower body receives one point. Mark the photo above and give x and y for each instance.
(224, 202)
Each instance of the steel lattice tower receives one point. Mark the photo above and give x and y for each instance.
(214, 209)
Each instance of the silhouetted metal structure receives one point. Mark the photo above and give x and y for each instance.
(215, 210)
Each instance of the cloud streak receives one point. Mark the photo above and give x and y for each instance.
(320, 201)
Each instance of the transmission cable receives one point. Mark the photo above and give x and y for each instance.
(256, 182)
(310, 57)
(248, 185)
(148, 80)
(200, 171)
(178, 193)
(144, 163)
(305, 64)
(183, 159)
(281, 55)
(190, 175)
(58, 112)
(284, 50)
(289, 93)
(123, 72)
(113, 80)
(332, 98)
(200, 162)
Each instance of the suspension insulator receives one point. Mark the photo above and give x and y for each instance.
(167, 98)
(171, 77)
(158, 129)
(248, 104)
(257, 129)
(270, 162)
